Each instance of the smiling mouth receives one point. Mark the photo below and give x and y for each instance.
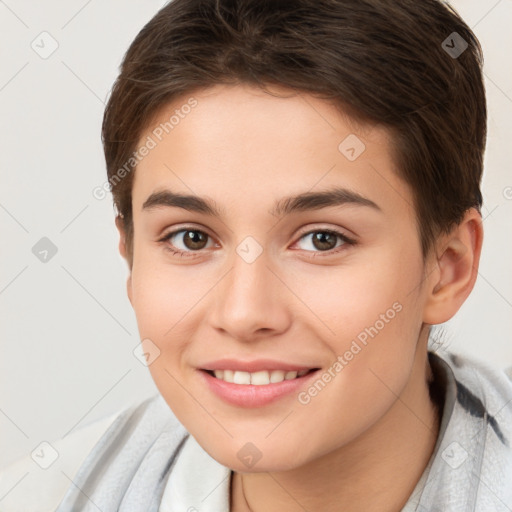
(259, 378)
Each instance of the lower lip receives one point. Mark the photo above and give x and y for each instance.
(250, 395)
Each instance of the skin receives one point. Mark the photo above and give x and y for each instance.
(363, 442)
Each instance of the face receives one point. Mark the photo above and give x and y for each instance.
(329, 282)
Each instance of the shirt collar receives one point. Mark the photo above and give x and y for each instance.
(197, 483)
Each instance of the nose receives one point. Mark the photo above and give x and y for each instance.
(251, 300)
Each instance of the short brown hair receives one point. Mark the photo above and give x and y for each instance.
(385, 62)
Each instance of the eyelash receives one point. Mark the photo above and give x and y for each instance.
(191, 254)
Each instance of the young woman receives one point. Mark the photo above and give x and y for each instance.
(298, 202)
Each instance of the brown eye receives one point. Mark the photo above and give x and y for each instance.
(186, 240)
(324, 240)
(195, 240)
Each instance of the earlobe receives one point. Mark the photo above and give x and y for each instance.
(458, 257)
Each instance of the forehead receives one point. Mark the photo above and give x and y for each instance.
(227, 141)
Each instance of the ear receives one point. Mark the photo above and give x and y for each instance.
(455, 269)
(123, 252)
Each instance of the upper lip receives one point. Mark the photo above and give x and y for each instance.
(253, 366)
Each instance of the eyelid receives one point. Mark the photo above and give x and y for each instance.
(335, 230)
(185, 227)
(180, 229)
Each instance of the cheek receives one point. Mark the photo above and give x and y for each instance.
(346, 300)
(163, 295)
(379, 334)
(373, 357)
(161, 301)
(371, 317)
(168, 302)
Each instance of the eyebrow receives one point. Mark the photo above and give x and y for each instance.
(302, 202)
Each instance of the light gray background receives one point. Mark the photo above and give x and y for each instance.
(67, 328)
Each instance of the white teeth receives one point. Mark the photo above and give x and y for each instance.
(277, 376)
(242, 378)
(260, 378)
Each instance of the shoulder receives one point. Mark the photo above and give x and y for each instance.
(38, 481)
(483, 391)
(471, 468)
(131, 461)
(478, 381)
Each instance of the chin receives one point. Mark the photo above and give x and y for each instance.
(246, 457)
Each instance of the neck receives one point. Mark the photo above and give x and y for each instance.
(376, 472)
